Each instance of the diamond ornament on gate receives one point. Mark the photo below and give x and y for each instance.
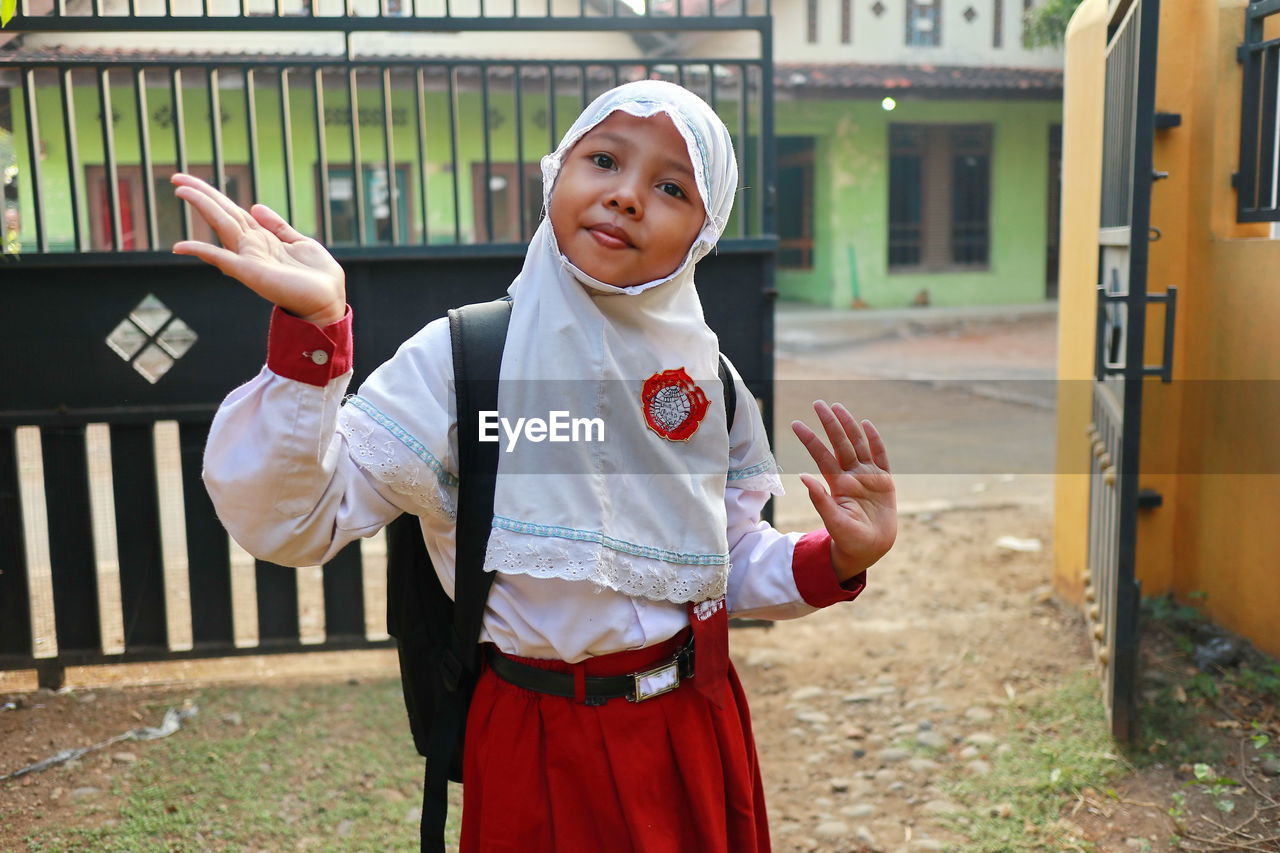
(151, 338)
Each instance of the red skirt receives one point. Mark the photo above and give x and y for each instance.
(672, 773)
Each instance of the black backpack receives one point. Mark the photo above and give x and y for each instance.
(437, 638)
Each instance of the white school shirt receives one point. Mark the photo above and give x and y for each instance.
(286, 484)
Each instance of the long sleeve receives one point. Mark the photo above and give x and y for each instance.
(279, 473)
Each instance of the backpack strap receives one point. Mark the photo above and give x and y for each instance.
(730, 391)
(478, 333)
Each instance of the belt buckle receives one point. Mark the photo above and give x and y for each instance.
(656, 681)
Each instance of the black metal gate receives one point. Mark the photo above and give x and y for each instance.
(118, 353)
(1112, 592)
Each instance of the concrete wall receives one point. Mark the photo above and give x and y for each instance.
(882, 39)
(852, 192)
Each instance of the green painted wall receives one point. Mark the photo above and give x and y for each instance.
(851, 189)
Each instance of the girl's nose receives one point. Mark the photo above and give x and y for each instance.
(624, 197)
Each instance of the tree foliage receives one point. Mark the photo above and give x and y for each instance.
(1046, 24)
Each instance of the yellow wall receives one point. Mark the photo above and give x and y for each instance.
(1209, 438)
(1077, 269)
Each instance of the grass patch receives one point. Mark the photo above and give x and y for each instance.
(322, 767)
(1059, 744)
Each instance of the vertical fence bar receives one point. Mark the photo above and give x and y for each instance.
(519, 97)
(744, 213)
(74, 571)
(109, 158)
(251, 130)
(551, 107)
(277, 595)
(343, 584)
(33, 504)
(137, 511)
(180, 141)
(207, 554)
(357, 164)
(33, 157)
(453, 150)
(172, 530)
(144, 152)
(215, 130)
(488, 152)
(388, 131)
(286, 136)
(322, 160)
(420, 114)
(15, 592)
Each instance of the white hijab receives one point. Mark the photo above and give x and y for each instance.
(637, 512)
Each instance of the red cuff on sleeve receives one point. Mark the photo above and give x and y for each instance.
(306, 352)
(816, 576)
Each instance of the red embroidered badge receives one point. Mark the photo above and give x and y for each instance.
(673, 404)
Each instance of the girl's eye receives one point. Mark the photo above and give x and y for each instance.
(604, 161)
(672, 190)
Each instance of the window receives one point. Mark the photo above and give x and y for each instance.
(997, 25)
(846, 21)
(939, 197)
(795, 202)
(812, 21)
(377, 205)
(1258, 181)
(168, 208)
(924, 23)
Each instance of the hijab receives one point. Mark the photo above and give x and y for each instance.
(641, 511)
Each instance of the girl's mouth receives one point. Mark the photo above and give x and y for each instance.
(612, 238)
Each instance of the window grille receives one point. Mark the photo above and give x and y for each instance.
(924, 23)
(939, 197)
(1258, 181)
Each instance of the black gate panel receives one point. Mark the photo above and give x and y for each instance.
(134, 348)
(1112, 591)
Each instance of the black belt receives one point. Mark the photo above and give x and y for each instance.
(634, 687)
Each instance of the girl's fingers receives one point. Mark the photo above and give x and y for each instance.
(846, 456)
(275, 223)
(237, 213)
(851, 429)
(228, 229)
(229, 262)
(879, 453)
(822, 457)
(828, 509)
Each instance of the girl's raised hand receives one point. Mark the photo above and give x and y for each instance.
(861, 511)
(265, 253)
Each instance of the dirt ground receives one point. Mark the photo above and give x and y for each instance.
(866, 715)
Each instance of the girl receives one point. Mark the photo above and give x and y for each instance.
(616, 550)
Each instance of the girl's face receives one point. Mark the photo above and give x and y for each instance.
(625, 208)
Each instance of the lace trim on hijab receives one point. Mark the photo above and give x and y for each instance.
(515, 548)
(398, 460)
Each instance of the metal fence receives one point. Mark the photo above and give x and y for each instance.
(421, 175)
(1258, 181)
